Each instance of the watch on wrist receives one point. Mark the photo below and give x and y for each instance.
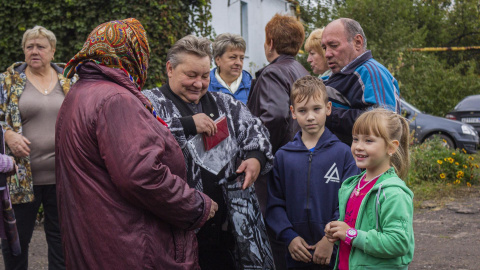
(350, 235)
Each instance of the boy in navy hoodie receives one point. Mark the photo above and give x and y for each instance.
(308, 172)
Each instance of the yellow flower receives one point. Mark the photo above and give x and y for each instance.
(470, 157)
(476, 166)
(442, 175)
(468, 184)
(451, 160)
(453, 154)
(439, 161)
(456, 163)
(464, 151)
(456, 181)
(465, 166)
(445, 159)
(460, 174)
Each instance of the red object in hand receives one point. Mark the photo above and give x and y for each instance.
(222, 133)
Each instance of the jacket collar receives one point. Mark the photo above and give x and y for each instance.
(21, 66)
(91, 70)
(352, 66)
(327, 139)
(209, 105)
(278, 59)
(387, 179)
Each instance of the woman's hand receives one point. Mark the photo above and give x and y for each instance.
(251, 167)
(204, 124)
(329, 234)
(17, 143)
(213, 210)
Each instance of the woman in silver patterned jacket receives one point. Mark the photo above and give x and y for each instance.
(235, 238)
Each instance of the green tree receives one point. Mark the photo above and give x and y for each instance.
(388, 25)
(71, 20)
(434, 82)
(431, 85)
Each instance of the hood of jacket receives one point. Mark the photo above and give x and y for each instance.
(326, 140)
(386, 180)
(95, 71)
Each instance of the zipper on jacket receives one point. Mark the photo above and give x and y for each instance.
(308, 193)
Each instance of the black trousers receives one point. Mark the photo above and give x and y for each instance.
(26, 214)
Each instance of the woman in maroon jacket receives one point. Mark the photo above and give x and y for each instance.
(122, 196)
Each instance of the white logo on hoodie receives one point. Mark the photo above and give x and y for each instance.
(332, 174)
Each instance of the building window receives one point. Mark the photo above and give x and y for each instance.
(244, 21)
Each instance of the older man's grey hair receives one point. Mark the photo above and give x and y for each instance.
(226, 41)
(353, 28)
(190, 44)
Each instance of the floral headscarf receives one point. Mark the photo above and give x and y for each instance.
(117, 44)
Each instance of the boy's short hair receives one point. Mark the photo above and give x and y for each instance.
(306, 88)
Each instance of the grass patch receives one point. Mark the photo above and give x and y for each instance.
(441, 193)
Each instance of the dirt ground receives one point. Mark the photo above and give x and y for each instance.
(447, 235)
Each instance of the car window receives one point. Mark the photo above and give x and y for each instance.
(410, 107)
(469, 103)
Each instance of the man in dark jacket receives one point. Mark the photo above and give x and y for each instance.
(122, 195)
(358, 81)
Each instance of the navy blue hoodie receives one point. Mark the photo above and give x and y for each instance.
(303, 193)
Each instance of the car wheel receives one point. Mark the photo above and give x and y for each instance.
(446, 140)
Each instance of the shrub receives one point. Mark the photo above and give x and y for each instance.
(432, 161)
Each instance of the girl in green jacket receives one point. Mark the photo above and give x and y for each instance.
(375, 229)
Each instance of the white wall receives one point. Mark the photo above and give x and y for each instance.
(227, 19)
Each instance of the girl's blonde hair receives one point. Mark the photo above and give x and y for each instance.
(389, 126)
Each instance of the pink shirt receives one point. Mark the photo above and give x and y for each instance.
(351, 213)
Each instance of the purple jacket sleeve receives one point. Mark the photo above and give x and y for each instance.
(6, 163)
(140, 155)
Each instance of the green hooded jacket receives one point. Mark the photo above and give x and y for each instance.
(384, 224)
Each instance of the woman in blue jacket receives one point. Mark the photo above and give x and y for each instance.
(229, 77)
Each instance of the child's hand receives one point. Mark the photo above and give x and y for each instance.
(323, 251)
(339, 229)
(329, 234)
(298, 249)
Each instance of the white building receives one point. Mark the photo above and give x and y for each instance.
(248, 19)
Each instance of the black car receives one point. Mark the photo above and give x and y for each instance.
(467, 111)
(454, 133)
